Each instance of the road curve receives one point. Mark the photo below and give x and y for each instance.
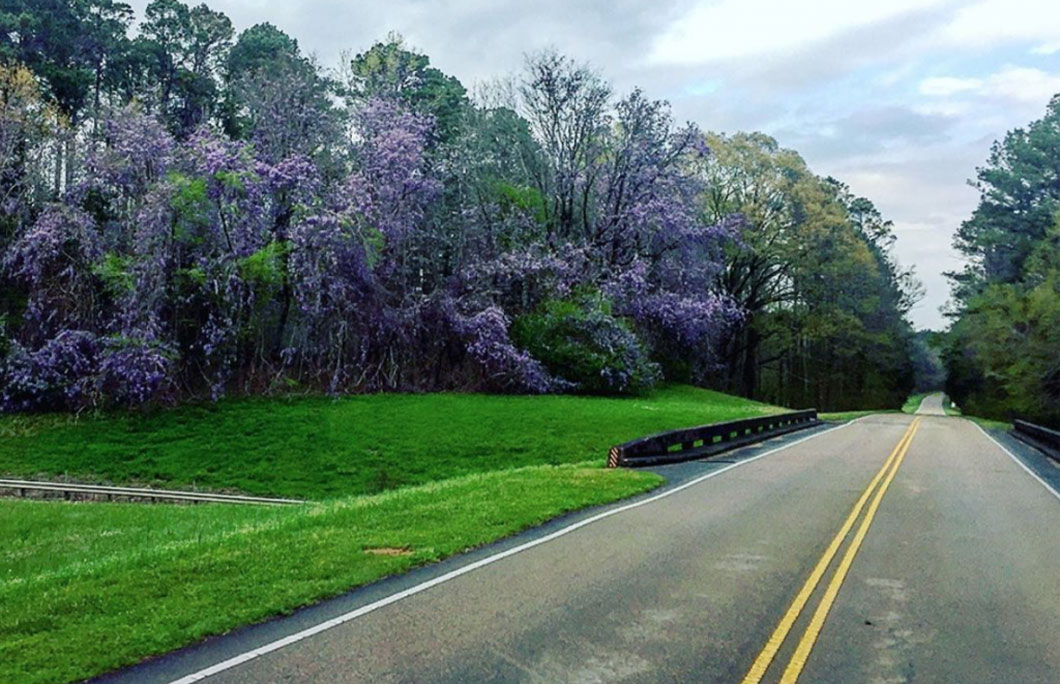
(956, 578)
(931, 405)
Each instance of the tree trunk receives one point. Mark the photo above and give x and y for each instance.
(749, 379)
(70, 154)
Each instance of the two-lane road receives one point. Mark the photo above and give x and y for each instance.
(931, 405)
(937, 558)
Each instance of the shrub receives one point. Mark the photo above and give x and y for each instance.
(581, 342)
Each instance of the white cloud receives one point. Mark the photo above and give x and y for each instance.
(1012, 83)
(1046, 48)
(739, 28)
(998, 21)
(945, 86)
(1023, 85)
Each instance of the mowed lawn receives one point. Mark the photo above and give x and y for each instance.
(90, 587)
(87, 588)
(317, 448)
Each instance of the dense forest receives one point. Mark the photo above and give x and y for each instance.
(1002, 353)
(190, 213)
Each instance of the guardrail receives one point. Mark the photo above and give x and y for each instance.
(706, 440)
(71, 490)
(1037, 436)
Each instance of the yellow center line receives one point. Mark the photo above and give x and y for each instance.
(776, 639)
(813, 630)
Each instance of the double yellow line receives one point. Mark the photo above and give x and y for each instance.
(813, 629)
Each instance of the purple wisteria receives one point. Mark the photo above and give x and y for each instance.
(383, 257)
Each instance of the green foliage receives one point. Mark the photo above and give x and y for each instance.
(522, 199)
(190, 204)
(579, 340)
(114, 270)
(390, 69)
(1019, 199)
(317, 447)
(1001, 352)
(1003, 357)
(912, 404)
(265, 267)
(88, 588)
(824, 299)
(258, 48)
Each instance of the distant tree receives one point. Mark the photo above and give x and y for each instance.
(1019, 198)
(1002, 353)
(186, 48)
(392, 70)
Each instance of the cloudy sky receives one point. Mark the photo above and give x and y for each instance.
(900, 99)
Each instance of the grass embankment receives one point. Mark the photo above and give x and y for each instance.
(89, 587)
(320, 448)
(912, 404)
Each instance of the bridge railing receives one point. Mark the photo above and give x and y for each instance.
(1041, 437)
(706, 440)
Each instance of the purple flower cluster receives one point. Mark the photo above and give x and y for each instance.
(507, 367)
(393, 260)
(78, 370)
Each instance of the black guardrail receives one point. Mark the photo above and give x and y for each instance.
(1037, 436)
(71, 490)
(706, 440)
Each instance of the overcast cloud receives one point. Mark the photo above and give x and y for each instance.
(900, 100)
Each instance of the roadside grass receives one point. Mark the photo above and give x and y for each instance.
(90, 587)
(986, 423)
(950, 408)
(913, 402)
(318, 448)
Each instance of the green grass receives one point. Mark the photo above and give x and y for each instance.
(913, 402)
(87, 588)
(318, 448)
(986, 423)
(90, 587)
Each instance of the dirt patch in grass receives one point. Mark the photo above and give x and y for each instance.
(389, 551)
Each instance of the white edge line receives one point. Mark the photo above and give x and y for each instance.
(1018, 461)
(453, 574)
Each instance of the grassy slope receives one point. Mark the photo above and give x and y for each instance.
(90, 587)
(320, 448)
(87, 588)
(913, 402)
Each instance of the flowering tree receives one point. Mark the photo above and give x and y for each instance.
(253, 225)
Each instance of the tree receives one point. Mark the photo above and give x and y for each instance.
(1001, 353)
(1019, 197)
(186, 48)
(390, 70)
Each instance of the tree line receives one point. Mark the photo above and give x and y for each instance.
(1002, 352)
(188, 212)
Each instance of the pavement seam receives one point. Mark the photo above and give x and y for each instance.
(275, 645)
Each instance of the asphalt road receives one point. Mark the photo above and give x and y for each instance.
(931, 405)
(947, 571)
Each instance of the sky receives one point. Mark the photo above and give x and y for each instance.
(899, 99)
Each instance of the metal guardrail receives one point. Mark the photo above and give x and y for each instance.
(706, 440)
(70, 490)
(1037, 436)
